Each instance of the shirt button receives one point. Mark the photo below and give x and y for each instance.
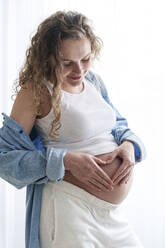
(20, 131)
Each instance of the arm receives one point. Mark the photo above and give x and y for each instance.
(121, 132)
(131, 150)
(20, 162)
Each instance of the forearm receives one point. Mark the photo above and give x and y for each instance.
(21, 168)
(21, 163)
(122, 134)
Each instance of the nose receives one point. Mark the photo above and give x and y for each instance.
(77, 68)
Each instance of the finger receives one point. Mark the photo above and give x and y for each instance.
(129, 176)
(126, 164)
(125, 179)
(101, 181)
(98, 185)
(121, 176)
(103, 176)
(93, 186)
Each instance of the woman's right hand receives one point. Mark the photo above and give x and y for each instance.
(85, 167)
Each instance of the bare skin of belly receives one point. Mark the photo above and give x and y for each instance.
(119, 192)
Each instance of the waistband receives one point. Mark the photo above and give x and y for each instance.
(77, 192)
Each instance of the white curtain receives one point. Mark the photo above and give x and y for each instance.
(133, 68)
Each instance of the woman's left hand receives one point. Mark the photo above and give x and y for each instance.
(126, 152)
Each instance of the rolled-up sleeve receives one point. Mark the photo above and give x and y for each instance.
(21, 163)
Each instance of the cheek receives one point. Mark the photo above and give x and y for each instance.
(87, 66)
(66, 71)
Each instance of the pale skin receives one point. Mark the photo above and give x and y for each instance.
(105, 175)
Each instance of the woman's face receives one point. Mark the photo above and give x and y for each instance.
(76, 60)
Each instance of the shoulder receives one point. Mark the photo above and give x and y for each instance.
(24, 107)
(97, 81)
(23, 110)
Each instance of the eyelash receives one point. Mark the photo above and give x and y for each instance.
(84, 61)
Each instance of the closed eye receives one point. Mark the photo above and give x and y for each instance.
(86, 60)
(70, 63)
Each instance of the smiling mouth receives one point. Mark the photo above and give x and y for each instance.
(76, 78)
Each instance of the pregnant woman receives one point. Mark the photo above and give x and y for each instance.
(82, 168)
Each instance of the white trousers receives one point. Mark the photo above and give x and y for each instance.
(73, 218)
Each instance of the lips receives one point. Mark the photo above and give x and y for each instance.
(76, 78)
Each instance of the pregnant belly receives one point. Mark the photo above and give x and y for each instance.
(117, 195)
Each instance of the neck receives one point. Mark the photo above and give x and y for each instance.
(73, 89)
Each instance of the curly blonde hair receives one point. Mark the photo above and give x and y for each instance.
(45, 45)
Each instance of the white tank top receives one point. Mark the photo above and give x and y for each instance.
(87, 121)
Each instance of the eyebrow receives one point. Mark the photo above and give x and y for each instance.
(65, 59)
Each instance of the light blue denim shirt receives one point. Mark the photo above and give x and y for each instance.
(25, 162)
